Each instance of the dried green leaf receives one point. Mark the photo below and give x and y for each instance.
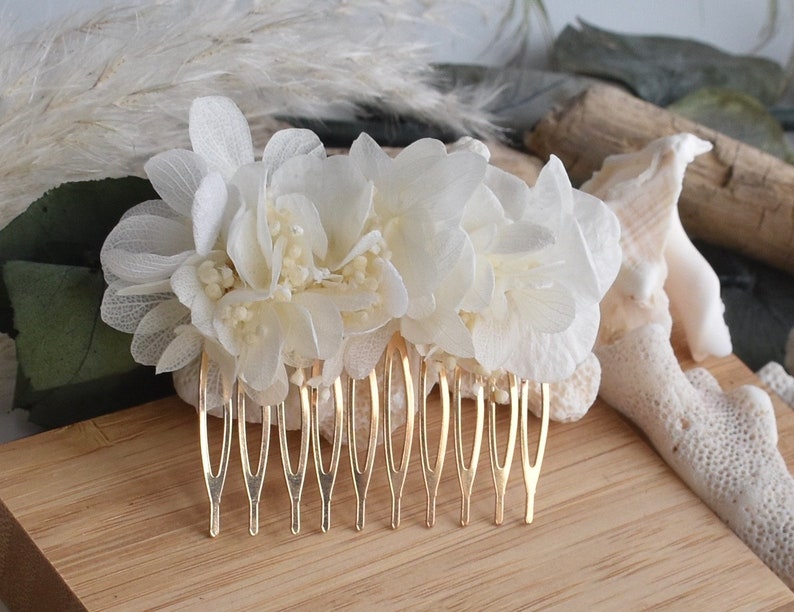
(70, 361)
(663, 69)
(67, 226)
(736, 114)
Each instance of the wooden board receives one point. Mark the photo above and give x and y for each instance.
(113, 514)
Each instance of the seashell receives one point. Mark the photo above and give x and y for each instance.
(661, 267)
(722, 444)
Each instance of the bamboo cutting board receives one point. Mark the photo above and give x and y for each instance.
(112, 513)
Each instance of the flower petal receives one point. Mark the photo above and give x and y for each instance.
(182, 350)
(176, 176)
(124, 313)
(156, 331)
(289, 143)
(219, 133)
(208, 212)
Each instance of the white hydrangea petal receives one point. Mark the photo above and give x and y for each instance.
(289, 143)
(443, 188)
(208, 212)
(452, 335)
(219, 133)
(544, 310)
(158, 208)
(363, 352)
(145, 248)
(158, 286)
(512, 192)
(156, 331)
(467, 143)
(410, 246)
(373, 162)
(522, 237)
(339, 192)
(482, 209)
(392, 289)
(182, 350)
(552, 194)
(176, 176)
(494, 339)
(446, 250)
(124, 313)
(601, 230)
(307, 218)
(326, 320)
(260, 360)
(244, 251)
(299, 333)
(481, 290)
(189, 289)
(275, 393)
(415, 160)
(140, 267)
(226, 335)
(349, 301)
(367, 242)
(552, 357)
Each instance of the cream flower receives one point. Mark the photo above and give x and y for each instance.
(418, 204)
(544, 257)
(267, 264)
(273, 264)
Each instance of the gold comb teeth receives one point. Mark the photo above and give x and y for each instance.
(397, 377)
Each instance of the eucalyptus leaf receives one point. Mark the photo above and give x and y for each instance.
(67, 226)
(736, 114)
(663, 69)
(71, 364)
(61, 339)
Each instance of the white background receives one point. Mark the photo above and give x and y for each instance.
(734, 25)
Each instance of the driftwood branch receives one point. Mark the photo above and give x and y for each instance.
(735, 196)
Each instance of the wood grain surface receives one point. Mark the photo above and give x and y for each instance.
(112, 513)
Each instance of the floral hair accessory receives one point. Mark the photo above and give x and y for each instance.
(292, 269)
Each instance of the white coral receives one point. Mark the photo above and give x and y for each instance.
(722, 444)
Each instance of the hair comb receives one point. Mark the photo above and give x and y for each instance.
(380, 413)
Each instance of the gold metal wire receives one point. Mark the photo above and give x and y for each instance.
(501, 471)
(532, 471)
(214, 481)
(253, 480)
(295, 478)
(432, 474)
(361, 477)
(397, 475)
(326, 478)
(466, 474)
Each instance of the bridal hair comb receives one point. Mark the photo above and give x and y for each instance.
(284, 281)
(344, 415)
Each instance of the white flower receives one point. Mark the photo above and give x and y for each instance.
(418, 204)
(266, 264)
(274, 264)
(544, 257)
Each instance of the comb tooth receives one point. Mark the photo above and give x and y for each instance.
(326, 478)
(296, 478)
(214, 481)
(466, 474)
(361, 477)
(253, 480)
(501, 471)
(532, 471)
(432, 474)
(397, 475)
